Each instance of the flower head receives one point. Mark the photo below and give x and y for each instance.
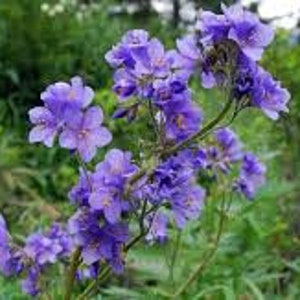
(98, 242)
(31, 284)
(84, 133)
(230, 144)
(269, 96)
(183, 118)
(109, 182)
(252, 176)
(187, 205)
(247, 31)
(46, 126)
(62, 96)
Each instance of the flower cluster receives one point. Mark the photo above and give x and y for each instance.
(225, 154)
(149, 73)
(173, 187)
(97, 225)
(66, 113)
(166, 189)
(40, 251)
(226, 48)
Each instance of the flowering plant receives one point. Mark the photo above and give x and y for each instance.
(165, 188)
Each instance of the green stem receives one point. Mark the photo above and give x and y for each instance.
(93, 285)
(174, 256)
(143, 231)
(207, 258)
(71, 273)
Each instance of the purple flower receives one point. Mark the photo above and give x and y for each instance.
(121, 54)
(11, 258)
(88, 234)
(213, 28)
(31, 284)
(172, 89)
(173, 175)
(135, 38)
(62, 96)
(256, 87)
(247, 31)
(42, 249)
(61, 237)
(46, 126)
(230, 145)
(114, 170)
(108, 201)
(126, 85)
(109, 182)
(63, 102)
(269, 96)
(170, 178)
(252, 176)
(158, 228)
(84, 133)
(139, 62)
(80, 193)
(48, 247)
(183, 118)
(152, 62)
(190, 51)
(187, 205)
(245, 77)
(173, 184)
(97, 242)
(238, 25)
(178, 65)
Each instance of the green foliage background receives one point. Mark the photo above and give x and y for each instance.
(258, 256)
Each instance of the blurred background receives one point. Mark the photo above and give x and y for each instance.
(46, 41)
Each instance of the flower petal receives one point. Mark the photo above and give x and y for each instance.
(67, 139)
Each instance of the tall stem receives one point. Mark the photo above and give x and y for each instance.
(71, 273)
(93, 285)
(210, 255)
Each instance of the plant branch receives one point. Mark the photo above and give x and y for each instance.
(71, 273)
(93, 285)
